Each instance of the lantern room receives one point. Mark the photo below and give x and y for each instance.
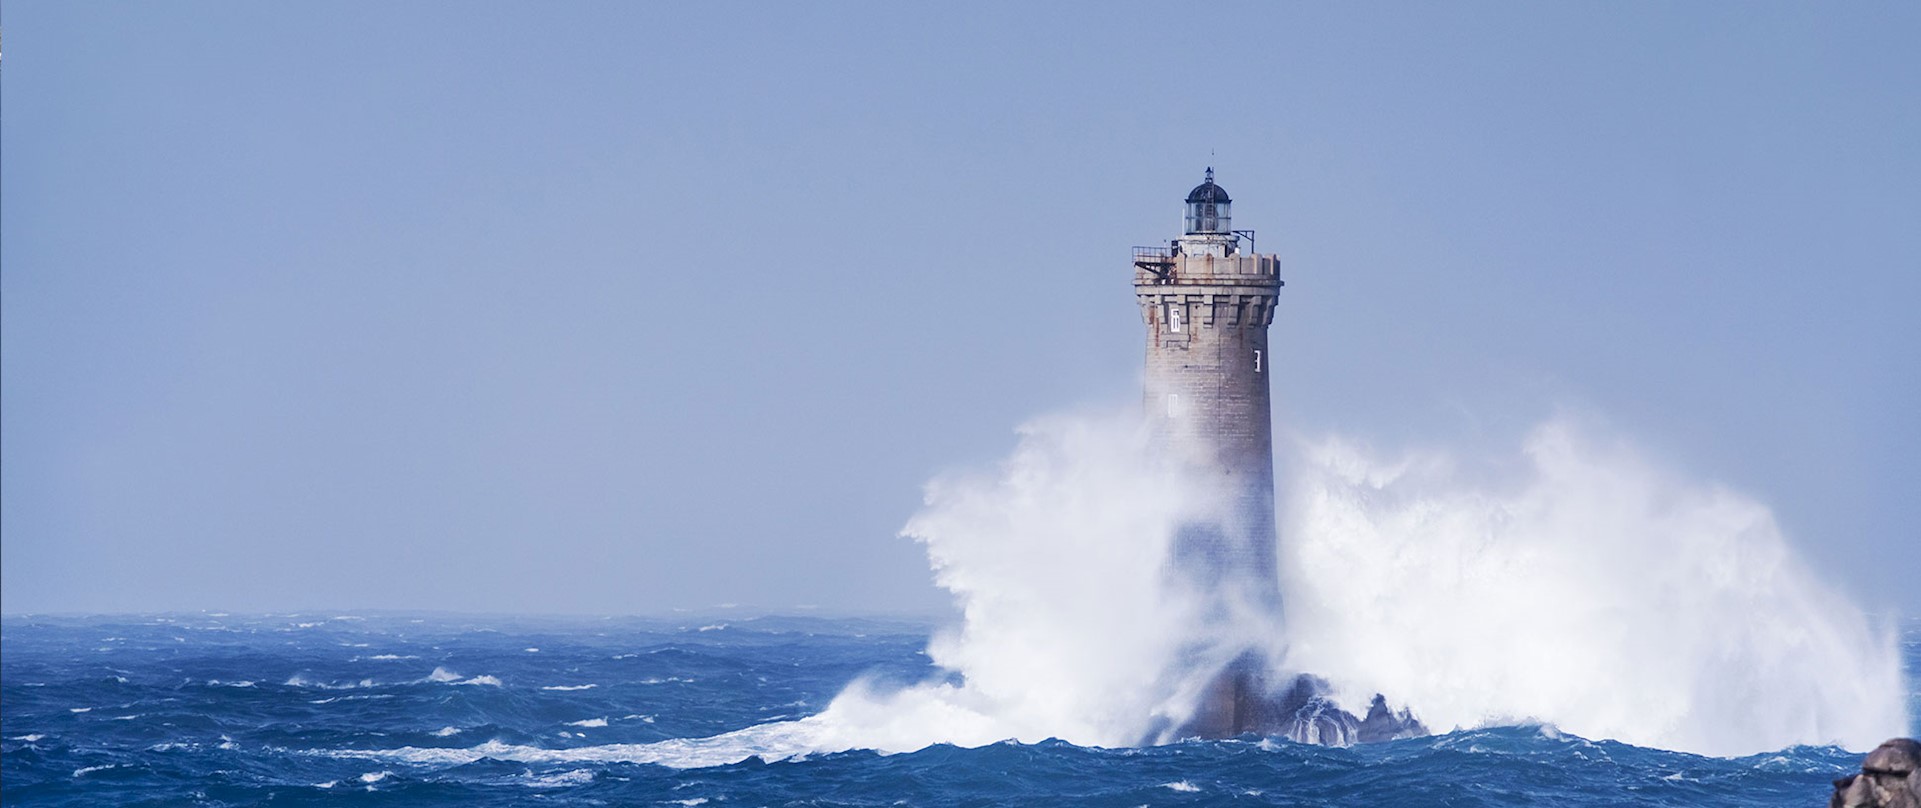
(1207, 209)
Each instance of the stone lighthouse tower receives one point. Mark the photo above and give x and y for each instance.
(1207, 303)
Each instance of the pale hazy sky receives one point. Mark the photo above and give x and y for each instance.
(621, 307)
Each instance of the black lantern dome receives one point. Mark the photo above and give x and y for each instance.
(1207, 208)
(1207, 191)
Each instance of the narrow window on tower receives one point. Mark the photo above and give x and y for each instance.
(1257, 360)
(1174, 318)
(1173, 405)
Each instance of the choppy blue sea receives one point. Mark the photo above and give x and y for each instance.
(405, 710)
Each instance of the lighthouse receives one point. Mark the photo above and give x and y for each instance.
(1207, 300)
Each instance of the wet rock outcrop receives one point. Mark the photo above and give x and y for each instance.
(1303, 710)
(1890, 778)
(1305, 713)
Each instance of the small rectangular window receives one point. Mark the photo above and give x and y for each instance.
(1257, 360)
(1174, 318)
(1173, 405)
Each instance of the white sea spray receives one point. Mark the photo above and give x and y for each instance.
(1071, 629)
(1593, 589)
(1587, 590)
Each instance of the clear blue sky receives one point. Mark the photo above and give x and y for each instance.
(620, 307)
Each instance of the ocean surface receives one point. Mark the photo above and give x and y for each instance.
(390, 710)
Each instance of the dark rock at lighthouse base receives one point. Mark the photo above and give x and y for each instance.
(1304, 713)
(1382, 724)
(1890, 778)
(1240, 702)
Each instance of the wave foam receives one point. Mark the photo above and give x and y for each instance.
(574, 777)
(1597, 592)
(683, 753)
(442, 675)
(301, 680)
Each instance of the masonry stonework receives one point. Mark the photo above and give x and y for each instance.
(1206, 308)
